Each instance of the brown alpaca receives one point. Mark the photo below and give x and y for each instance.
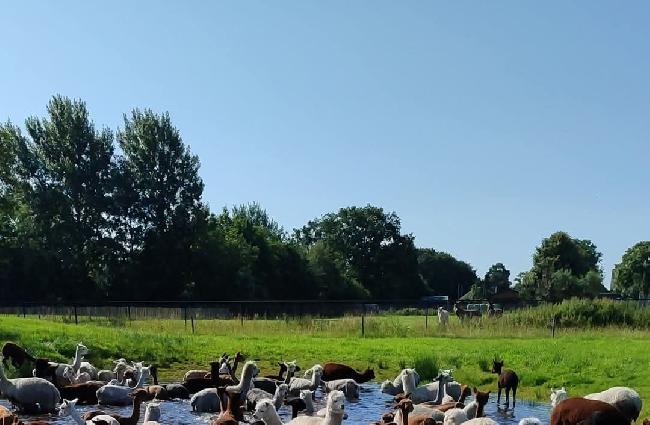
(16, 353)
(406, 407)
(444, 406)
(333, 371)
(281, 373)
(8, 418)
(138, 395)
(481, 399)
(158, 392)
(582, 411)
(508, 379)
(85, 393)
(231, 412)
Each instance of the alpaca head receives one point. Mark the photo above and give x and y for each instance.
(386, 386)
(336, 402)
(405, 405)
(66, 408)
(68, 373)
(497, 365)
(291, 367)
(282, 390)
(351, 389)
(481, 399)
(263, 408)
(558, 395)
(307, 395)
(82, 350)
(250, 370)
(139, 394)
(369, 374)
(388, 417)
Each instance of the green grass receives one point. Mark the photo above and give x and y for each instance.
(582, 360)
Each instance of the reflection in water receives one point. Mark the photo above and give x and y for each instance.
(370, 407)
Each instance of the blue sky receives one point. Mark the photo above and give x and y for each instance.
(485, 125)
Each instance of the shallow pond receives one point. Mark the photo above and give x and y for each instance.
(368, 408)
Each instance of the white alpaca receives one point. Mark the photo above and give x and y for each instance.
(334, 412)
(265, 412)
(118, 395)
(75, 378)
(80, 351)
(206, 400)
(298, 384)
(455, 417)
(530, 421)
(443, 316)
(115, 376)
(68, 409)
(249, 371)
(349, 387)
(152, 414)
(308, 397)
(480, 421)
(30, 393)
(394, 387)
(625, 399)
(558, 395)
(434, 391)
(256, 394)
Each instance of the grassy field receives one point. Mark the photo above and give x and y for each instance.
(582, 360)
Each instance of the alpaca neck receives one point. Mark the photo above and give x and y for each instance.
(77, 417)
(408, 384)
(142, 379)
(135, 413)
(471, 410)
(332, 418)
(309, 404)
(315, 380)
(6, 386)
(277, 398)
(76, 364)
(119, 375)
(442, 389)
(272, 418)
(234, 366)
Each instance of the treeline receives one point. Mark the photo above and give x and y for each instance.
(97, 214)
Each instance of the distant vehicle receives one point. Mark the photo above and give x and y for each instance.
(484, 307)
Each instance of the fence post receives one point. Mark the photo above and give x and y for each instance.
(185, 315)
(426, 318)
(128, 311)
(76, 320)
(192, 319)
(24, 311)
(363, 321)
(241, 313)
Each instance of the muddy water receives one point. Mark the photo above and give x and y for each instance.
(371, 405)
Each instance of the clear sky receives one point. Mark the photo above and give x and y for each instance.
(485, 125)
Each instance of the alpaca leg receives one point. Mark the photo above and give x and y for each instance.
(507, 397)
(499, 397)
(514, 396)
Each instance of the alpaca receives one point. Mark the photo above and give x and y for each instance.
(206, 400)
(255, 394)
(68, 409)
(303, 403)
(117, 395)
(298, 384)
(575, 410)
(231, 412)
(429, 392)
(481, 421)
(152, 414)
(470, 411)
(17, 354)
(530, 421)
(139, 396)
(334, 412)
(558, 395)
(249, 371)
(177, 391)
(35, 394)
(85, 393)
(405, 407)
(335, 371)
(116, 374)
(8, 418)
(86, 367)
(508, 379)
(286, 372)
(625, 399)
(80, 351)
(394, 387)
(349, 387)
(265, 411)
(443, 316)
(75, 378)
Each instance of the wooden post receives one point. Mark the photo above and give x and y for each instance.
(241, 313)
(76, 320)
(128, 311)
(426, 318)
(185, 311)
(553, 326)
(24, 311)
(192, 319)
(363, 321)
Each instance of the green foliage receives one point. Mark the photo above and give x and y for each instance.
(444, 274)
(427, 367)
(631, 276)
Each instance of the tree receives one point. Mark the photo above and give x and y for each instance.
(444, 274)
(63, 177)
(373, 251)
(563, 267)
(496, 278)
(631, 277)
(161, 189)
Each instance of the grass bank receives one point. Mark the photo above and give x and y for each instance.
(584, 361)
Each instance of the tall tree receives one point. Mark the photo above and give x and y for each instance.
(445, 274)
(65, 180)
(496, 278)
(369, 243)
(631, 277)
(162, 191)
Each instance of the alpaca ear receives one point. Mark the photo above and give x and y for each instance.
(475, 390)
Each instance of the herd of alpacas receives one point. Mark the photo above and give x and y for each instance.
(251, 398)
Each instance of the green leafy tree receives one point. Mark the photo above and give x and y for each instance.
(496, 279)
(631, 277)
(369, 243)
(445, 274)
